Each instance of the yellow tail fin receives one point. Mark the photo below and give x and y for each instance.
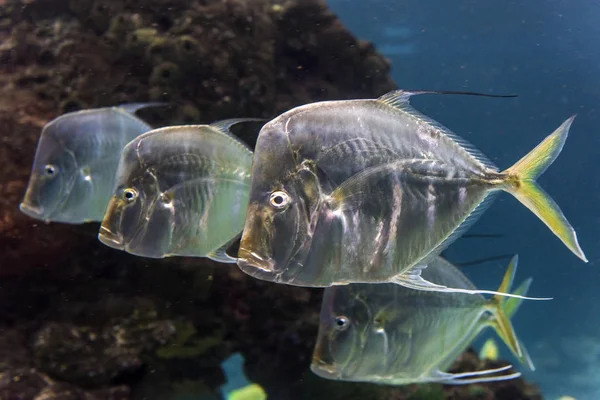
(503, 308)
(520, 182)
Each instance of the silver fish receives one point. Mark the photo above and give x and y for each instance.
(75, 163)
(390, 334)
(370, 190)
(180, 191)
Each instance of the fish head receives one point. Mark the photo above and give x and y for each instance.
(139, 216)
(280, 219)
(343, 326)
(54, 174)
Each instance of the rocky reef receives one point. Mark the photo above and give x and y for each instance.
(79, 320)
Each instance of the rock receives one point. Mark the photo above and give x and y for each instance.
(19, 380)
(95, 357)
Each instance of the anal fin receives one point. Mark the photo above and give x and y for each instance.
(220, 254)
(466, 378)
(412, 279)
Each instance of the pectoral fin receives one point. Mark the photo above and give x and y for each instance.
(369, 182)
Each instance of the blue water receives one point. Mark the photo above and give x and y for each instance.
(547, 53)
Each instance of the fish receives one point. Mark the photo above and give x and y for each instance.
(180, 191)
(76, 160)
(489, 350)
(386, 333)
(238, 387)
(368, 191)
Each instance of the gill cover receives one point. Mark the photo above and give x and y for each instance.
(344, 325)
(52, 178)
(279, 225)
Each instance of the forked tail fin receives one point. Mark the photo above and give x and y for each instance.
(503, 308)
(520, 182)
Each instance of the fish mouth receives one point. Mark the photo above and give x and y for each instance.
(325, 369)
(247, 259)
(31, 211)
(107, 237)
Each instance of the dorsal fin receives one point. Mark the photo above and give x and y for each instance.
(400, 99)
(225, 125)
(132, 108)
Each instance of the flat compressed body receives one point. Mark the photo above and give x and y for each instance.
(83, 150)
(391, 187)
(412, 335)
(191, 186)
(365, 191)
(386, 226)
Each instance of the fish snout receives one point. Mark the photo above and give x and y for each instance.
(31, 210)
(109, 238)
(249, 259)
(255, 250)
(323, 362)
(324, 369)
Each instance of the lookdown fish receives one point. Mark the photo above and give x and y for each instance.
(371, 190)
(75, 163)
(386, 333)
(180, 191)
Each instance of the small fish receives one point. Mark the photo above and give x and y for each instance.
(489, 350)
(238, 387)
(180, 191)
(389, 334)
(367, 191)
(75, 163)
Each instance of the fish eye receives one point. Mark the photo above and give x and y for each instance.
(130, 194)
(341, 323)
(50, 170)
(279, 199)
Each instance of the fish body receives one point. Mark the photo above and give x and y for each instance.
(370, 190)
(386, 333)
(76, 159)
(180, 191)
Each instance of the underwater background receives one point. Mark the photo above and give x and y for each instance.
(544, 52)
(82, 321)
